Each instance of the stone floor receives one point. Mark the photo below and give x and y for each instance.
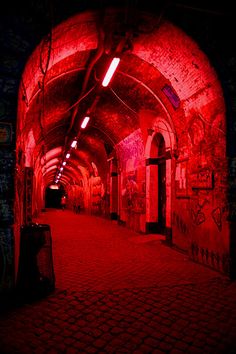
(121, 292)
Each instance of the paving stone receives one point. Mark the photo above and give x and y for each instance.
(112, 297)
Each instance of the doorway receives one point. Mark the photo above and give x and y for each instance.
(161, 187)
(158, 149)
(53, 197)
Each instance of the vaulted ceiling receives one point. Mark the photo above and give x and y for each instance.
(61, 84)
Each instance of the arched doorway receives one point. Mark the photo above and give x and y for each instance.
(113, 192)
(159, 147)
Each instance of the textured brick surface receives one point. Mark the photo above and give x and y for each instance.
(115, 294)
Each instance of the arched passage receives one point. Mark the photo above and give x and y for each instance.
(159, 155)
(165, 98)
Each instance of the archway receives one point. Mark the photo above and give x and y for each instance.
(170, 77)
(159, 153)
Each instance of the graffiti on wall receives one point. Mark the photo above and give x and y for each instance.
(131, 151)
(202, 179)
(5, 133)
(97, 194)
(181, 186)
(196, 131)
(199, 216)
(133, 199)
(217, 217)
(180, 223)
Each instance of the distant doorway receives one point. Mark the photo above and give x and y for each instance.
(53, 197)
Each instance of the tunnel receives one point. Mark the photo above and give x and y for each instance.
(154, 137)
(147, 149)
(117, 177)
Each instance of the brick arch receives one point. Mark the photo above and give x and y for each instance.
(183, 82)
(167, 48)
(181, 61)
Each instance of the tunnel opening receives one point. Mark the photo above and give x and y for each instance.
(161, 182)
(53, 196)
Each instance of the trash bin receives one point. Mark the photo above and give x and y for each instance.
(35, 272)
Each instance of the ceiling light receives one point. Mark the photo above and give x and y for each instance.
(53, 186)
(73, 144)
(85, 122)
(110, 71)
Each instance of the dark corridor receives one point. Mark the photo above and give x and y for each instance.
(53, 197)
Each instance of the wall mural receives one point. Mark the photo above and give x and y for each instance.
(133, 198)
(217, 217)
(97, 194)
(196, 131)
(131, 152)
(6, 187)
(182, 226)
(202, 179)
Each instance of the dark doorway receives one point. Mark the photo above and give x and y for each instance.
(161, 165)
(162, 194)
(53, 197)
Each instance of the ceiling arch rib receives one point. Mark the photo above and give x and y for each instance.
(146, 68)
(70, 176)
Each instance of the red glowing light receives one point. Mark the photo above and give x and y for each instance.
(85, 122)
(64, 163)
(61, 169)
(67, 155)
(110, 71)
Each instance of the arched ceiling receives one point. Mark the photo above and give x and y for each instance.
(62, 83)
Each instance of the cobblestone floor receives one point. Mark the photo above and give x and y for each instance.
(121, 292)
